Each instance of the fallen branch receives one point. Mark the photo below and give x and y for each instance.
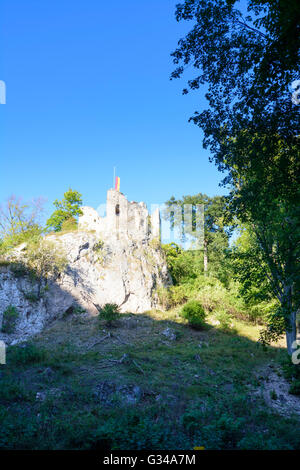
(124, 358)
(121, 341)
(100, 341)
(120, 361)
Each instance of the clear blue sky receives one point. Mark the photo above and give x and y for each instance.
(88, 89)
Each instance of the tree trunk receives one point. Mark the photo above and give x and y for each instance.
(291, 334)
(205, 257)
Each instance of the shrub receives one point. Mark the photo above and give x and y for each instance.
(13, 391)
(69, 225)
(172, 296)
(98, 249)
(182, 265)
(194, 313)
(224, 318)
(155, 243)
(109, 313)
(31, 296)
(164, 297)
(295, 388)
(212, 294)
(98, 246)
(179, 294)
(19, 269)
(78, 310)
(45, 259)
(291, 371)
(10, 316)
(261, 312)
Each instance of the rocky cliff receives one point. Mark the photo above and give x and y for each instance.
(121, 271)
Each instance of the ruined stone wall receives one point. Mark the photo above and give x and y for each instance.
(91, 220)
(123, 219)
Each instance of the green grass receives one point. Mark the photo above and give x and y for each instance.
(195, 390)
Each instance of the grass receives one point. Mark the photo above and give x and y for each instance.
(193, 391)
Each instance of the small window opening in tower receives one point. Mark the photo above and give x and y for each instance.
(117, 209)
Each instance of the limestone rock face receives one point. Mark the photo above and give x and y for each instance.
(122, 271)
(32, 317)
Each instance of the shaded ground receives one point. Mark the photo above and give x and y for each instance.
(274, 389)
(150, 382)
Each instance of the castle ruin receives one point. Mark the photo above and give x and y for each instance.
(123, 220)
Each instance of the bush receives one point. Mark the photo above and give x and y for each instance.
(69, 225)
(98, 246)
(45, 259)
(78, 310)
(19, 269)
(172, 296)
(183, 265)
(13, 391)
(31, 296)
(109, 313)
(179, 294)
(295, 388)
(194, 313)
(10, 316)
(164, 297)
(224, 318)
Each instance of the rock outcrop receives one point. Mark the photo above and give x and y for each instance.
(117, 270)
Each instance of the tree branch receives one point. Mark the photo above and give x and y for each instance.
(245, 25)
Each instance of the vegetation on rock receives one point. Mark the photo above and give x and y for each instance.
(10, 316)
(67, 211)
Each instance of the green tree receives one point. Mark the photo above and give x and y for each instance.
(184, 265)
(68, 208)
(19, 221)
(252, 125)
(249, 269)
(216, 221)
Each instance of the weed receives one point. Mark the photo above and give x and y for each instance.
(25, 354)
(31, 296)
(10, 316)
(109, 313)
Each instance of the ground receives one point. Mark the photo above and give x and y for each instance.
(147, 382)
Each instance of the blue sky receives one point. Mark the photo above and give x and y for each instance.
(88, 89)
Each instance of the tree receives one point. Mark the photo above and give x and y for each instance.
(252, 125)
(183, 265)
(19, 221)
(216, 228)
(249, 269)
(45, 259)
(68, 208)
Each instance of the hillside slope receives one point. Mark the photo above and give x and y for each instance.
(149, 382)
